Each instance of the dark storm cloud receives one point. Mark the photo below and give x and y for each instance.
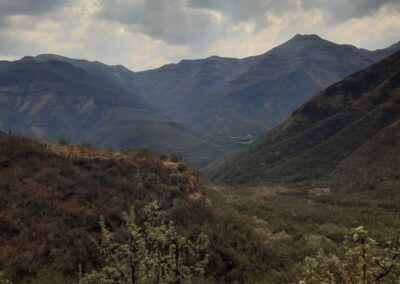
(171, 21)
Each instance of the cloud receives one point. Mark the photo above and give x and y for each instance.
(239, 10)
(29, 7)
(171, 21)
(143, 34)
(343, 10)
(12, 45)
(339, 10)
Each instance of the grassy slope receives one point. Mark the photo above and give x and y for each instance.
(328, 134)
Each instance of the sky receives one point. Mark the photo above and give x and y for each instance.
(145, 34)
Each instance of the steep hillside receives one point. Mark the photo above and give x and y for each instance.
(350, 131)
(52, 97)
(52, 196)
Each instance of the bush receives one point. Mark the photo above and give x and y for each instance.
(364, 262)
(175, 157)
(153, 252)
(63, 142)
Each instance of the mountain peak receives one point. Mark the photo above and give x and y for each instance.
(298, 43)
(306, 37)
(48, 57)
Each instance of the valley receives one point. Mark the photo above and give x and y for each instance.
(277, 168)
(53, 194)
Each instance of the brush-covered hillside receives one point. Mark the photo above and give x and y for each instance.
(52, 196)
(350, 133)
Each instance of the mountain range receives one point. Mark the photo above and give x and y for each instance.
(234, 97)
(350, 132)
(204, 109)
(52, 97)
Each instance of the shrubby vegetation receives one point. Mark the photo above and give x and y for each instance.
(3, 279)
(153, 252)
(364, 261)
(52, 196)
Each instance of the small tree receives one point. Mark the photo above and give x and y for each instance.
(364, 262)
(151, 253)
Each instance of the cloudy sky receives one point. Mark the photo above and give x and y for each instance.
(143, 34)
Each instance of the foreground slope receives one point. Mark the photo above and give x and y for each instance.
(350, 131)
(52, 197)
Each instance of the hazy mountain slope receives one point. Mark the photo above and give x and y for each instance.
(350, 130)
(119, 75)
(225, 97)
(281, 81)
(54, 99)
(178, 88)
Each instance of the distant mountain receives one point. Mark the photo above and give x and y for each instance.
(177, 88)
(350, 131)
(119, 75)
(53, 97)
(230, 97)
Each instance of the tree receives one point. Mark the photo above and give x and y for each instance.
(153, 252)
(364, 261)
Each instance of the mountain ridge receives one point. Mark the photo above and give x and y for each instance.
(216, 105)
(264, 92)
(55, 100)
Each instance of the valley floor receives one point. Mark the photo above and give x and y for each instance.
(296, 222)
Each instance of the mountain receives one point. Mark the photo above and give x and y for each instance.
(204, 109)
(175, 88)
(350, 131)
(224, 97)
(53, 97)
(118, 75)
